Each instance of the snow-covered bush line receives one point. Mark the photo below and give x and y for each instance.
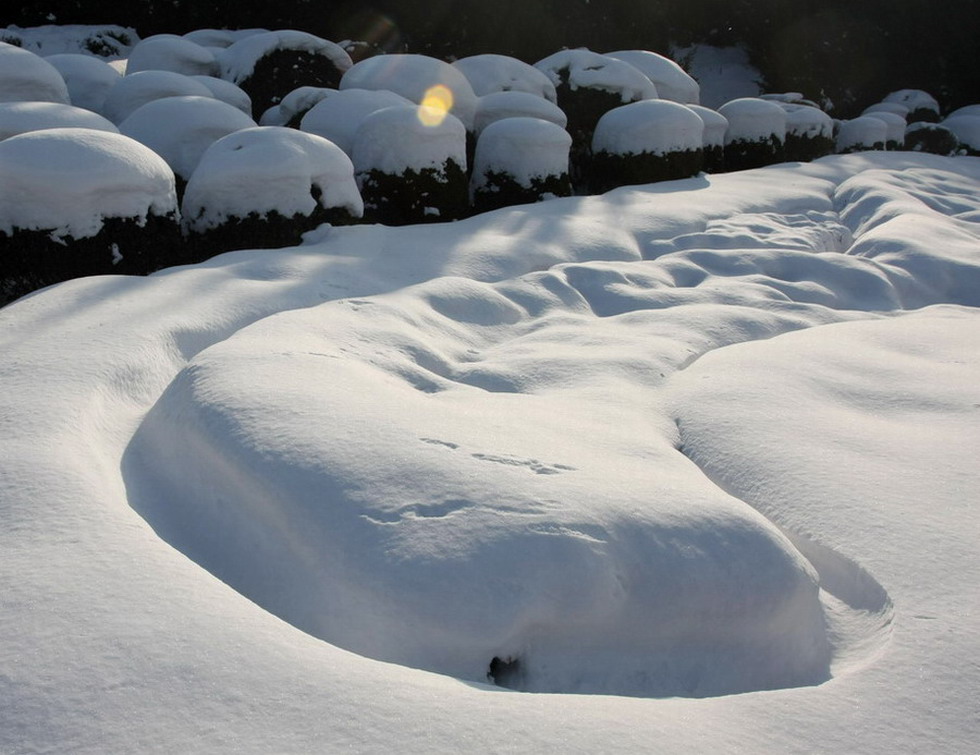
(631, 117)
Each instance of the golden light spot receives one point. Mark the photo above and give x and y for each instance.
(436, 103)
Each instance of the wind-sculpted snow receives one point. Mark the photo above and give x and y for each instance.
(677, 440)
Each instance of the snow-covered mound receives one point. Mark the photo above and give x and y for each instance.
(295, 105)
(572, 70)
(69, 180)
(512, 104)
(168, 52)
(895, 126)
(862, 133)
(519, 160)
(756, 132)
(966, 127)
(549, 446)
(490, 73)
(26, 77)
(180, 129)
(88, 79)
(923, 136)
(135, 90)
(239, 60)
(809, 132)
(672, 81)
(419, 78)
(339, 116)
(922, 105)
(712, 138)
(22, 117)
(268, 169)
(227, 92)
(107, 41)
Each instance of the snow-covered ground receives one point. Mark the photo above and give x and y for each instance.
(707, 448)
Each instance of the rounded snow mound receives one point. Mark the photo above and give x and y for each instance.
(966, 127)
(88, 79)
(715, 125)
(264, 169)
(672, 81)
(651, 126)
(808, 121)
(863, 133)
(22, 117)
(895, 126)
(71, 179)
(522, 148)
(752, 119)
(180, 129)
(896, 108)
(416, 77)
(137, 89)
(490, 73)
(582, 68)
(914, 100)
(395, 139)
(239, 59)
(169, 52)
(339, 116)
(966, 110)
(513, 104)
(227, 92)
(220, 38)
(26, 77)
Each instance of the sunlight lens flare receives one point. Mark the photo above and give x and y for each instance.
(435, 105)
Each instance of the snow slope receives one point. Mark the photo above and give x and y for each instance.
(676, 441)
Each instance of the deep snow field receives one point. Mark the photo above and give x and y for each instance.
(696, 462)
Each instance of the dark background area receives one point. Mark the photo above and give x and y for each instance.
(851, 52)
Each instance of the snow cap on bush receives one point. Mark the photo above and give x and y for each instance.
(672, 81)
(524, 149)
(586, 69)
(966, 128)
(395, 139)
(895, 127)
(24, 117)
(26, 77)
(490, 73)
(180, 129)
(921, 105)
(139, 88)
(715, 126)
(418, 78)
(807, 121)
(887, 107)
(220, 38)
(88, 79)
(651, 126)
(966, 110)
(339, 116)
(863, 133)
(168, 52)
(239, 59)
(295, 105)
(513, 104)
(934, 138)
(753, 119)
(69, 180)
(268, 169)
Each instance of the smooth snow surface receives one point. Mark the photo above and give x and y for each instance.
(168, 52)
(68, 180)
(88, 79)
(500, 105)
(489, 74)
(672, 81)
(268, 168)
(705, 436)
(584, 68)
(180, 129)
(753, 119)
(339, 116)
(653, 126)
(22, 117)
(414, 77)
(405, 137)
(26, 77)
(521, 148)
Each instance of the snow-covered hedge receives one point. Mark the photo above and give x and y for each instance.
(966, 127)
(923, 136)
(756, 133)
(809, 132)
(895, 126)
(77, 202)
(860, 134)
(410, 163)
(713, 138)
(644, 142)
(672, 81)
(519, 161)
(922, 105)
(491, 73)
(338, 116)
(264, 187)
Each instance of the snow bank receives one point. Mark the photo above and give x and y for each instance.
(180, 129)
(415, 77)
(513, 104)
(22, 117)
(268, 169)
(88, 79)
(69, 180)
(672, 81)
(26, 77)
(489, 74)
(134, 90)
(653, 126)
(584, 69)
(168, 52)
(339, 116)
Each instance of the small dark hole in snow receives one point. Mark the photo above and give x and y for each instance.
(505, 672)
